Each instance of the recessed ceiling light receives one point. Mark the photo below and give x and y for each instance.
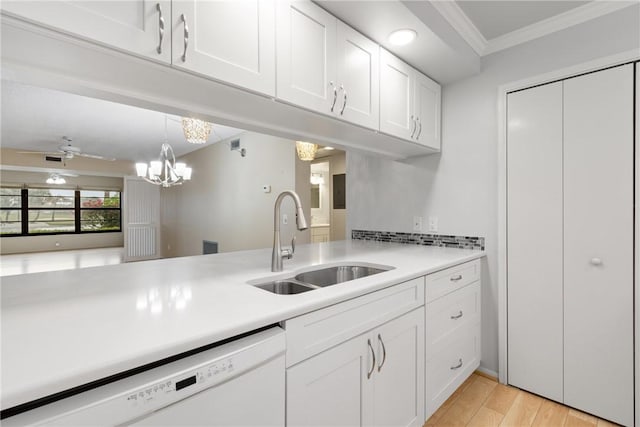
(402, 37)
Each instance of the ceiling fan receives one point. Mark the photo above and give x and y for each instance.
(67, 152)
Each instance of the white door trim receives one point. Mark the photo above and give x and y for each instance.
(564, 73)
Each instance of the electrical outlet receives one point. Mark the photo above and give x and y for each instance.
(285, 219)
(433, 224)
(417, 223)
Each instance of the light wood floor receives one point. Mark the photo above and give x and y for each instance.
(483, 402)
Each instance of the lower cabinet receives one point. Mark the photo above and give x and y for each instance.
(372, 379)
(452, 331)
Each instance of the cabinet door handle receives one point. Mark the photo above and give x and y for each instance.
(414, 126)
(456, 277)
(160, 28)
(335, 95)
(344, 103)
(458, 366)
(186, 37)
(373, 355)
(457, 316)
(384, 353)
(419, 128)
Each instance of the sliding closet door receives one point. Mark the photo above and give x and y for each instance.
(534, 230)
(598, 240)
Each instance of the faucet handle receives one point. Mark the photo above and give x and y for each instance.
(293, 245)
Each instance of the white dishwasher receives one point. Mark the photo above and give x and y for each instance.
(239, 383)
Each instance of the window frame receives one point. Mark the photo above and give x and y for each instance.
(77, 217)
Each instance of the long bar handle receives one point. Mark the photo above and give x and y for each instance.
(458, 366)
(335, 95)
(457, 316)
(373, 354)
(186, 37)
(456, 277)
(420, 128)
(160, 28)
(415, 125)
(344, 103)
(384, 353)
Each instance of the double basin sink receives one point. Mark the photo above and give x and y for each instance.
(325, 276)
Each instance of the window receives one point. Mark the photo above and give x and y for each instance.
(10, 211)
(37, 211)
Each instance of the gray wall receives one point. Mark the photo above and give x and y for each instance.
(460, 186)
(224, 201)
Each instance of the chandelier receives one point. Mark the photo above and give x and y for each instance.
(195, 131)
(166, 171)
(306, 150)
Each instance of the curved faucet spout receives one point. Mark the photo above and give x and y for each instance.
(301, 222)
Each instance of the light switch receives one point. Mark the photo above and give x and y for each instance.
(417, 223)
(433, 224)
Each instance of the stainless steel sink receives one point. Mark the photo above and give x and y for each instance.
(285, 287)
(323, 276)
(342, 273)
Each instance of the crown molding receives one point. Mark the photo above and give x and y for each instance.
(556, 23)
(462, 24)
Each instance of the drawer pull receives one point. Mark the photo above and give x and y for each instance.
(384, 353)
(185, 37)
(456, 277)
(160, 28)
(458, 366)
(457, 316)
(373, 355)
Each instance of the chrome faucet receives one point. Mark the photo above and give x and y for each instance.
(278, 253)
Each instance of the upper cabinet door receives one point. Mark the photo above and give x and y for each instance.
(136, 26)
(229, 40)
(427, 111)
(357, 78)
(306, 40)
(396, 97)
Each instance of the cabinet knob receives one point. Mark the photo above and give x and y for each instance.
(596, 261)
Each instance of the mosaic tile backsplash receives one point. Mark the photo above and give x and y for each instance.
(462, 242)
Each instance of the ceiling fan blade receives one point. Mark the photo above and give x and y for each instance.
(39, 152)
(95, 156)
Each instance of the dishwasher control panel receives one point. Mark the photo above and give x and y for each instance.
(196, 379)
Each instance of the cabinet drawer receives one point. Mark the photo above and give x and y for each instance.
(451, 279)
(443, 374)
(449, 314)
(317, 331)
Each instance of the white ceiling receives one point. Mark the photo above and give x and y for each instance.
(36, 119)
(497, 18)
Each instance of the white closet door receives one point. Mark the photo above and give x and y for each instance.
(534, 149)
(598, 239)
(142, 220)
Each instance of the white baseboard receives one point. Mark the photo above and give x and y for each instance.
(486, 371)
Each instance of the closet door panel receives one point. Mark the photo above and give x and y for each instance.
(598, 239)
(534, 227)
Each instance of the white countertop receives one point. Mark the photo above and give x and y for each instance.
(62, 329)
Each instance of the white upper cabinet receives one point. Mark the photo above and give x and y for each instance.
(396, 97)
(409, 102)
(136, 26)
(228, 40)
(357, 78)
(306, 44)
(427, 111)
(325, 65)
